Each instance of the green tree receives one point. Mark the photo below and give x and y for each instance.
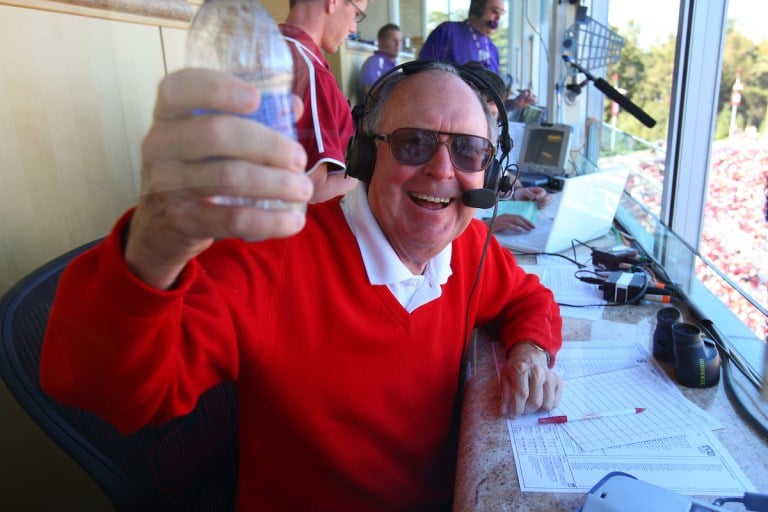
(755, 93)
(437, 17)
(645, 77)
(738, 53)
(749, 60)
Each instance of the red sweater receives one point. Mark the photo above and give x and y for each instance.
(347, 401)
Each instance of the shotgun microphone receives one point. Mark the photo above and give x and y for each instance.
(613, 94)
(624, 102)
(479, 198)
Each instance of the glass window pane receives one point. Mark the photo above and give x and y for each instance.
(724, 271)
(735, 229)
(644, 75)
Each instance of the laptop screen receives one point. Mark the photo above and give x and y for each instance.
(545, 148)
(583, 211)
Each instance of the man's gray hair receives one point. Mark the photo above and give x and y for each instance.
(378, 97)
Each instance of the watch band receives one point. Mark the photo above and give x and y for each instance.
(537, 347)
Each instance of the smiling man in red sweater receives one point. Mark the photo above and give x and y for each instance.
(346, 362)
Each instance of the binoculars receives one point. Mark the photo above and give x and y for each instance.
(696, 359)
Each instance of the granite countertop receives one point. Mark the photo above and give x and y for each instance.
(486, 475)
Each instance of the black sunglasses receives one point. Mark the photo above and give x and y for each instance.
(416, 146)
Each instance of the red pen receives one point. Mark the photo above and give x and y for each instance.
(590, 416)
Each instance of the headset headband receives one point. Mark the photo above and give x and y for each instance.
(361, 148)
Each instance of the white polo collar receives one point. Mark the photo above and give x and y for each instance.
(382, 264)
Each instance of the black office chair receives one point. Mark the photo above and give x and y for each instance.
(187, 464)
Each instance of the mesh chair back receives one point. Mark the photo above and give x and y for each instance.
(187, 464)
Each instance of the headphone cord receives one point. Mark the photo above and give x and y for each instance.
(464, 371)
(739, 397)
(467, 330)
(506, 147)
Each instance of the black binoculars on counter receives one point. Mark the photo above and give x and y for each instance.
(695, 358)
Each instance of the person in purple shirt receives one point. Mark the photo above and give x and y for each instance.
(469, 40)
(390, 39)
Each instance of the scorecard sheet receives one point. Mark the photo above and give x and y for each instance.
(670, 444)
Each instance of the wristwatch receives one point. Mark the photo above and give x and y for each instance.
(537, 347)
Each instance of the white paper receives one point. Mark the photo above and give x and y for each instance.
(585, 300)
(690, 460)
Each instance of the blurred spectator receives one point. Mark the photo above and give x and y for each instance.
(516, 107)
(390, 39)
(312, 31)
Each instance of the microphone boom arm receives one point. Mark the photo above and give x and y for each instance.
(613, 94)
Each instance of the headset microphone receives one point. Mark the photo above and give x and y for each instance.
(494, 24)
(479, 198)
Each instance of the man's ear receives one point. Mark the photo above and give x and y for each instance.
(330, 5)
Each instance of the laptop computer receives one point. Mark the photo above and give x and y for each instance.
(543, 153)
(583, 210)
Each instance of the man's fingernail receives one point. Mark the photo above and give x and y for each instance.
(299, 219)
(299, 157)
(307, 189)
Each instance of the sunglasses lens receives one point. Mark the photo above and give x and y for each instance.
(412, 146)
(470, 153)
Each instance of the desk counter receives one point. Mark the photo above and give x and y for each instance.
(486, 476)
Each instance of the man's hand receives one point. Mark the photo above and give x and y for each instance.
(508, 221)
(328, 186)
(190, 159)
(527, 383)
(538, 194)
(526, 98)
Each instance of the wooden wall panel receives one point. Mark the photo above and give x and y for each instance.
(76, 97)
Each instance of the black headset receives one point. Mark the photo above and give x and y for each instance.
(361, 150)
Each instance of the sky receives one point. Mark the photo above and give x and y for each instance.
(658, 18)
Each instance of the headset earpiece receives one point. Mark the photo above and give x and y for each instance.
(492, 176)
(361, 149)
(361, 157)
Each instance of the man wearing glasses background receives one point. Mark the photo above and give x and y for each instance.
(344, 328)
(326, 125)
(469, 40)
